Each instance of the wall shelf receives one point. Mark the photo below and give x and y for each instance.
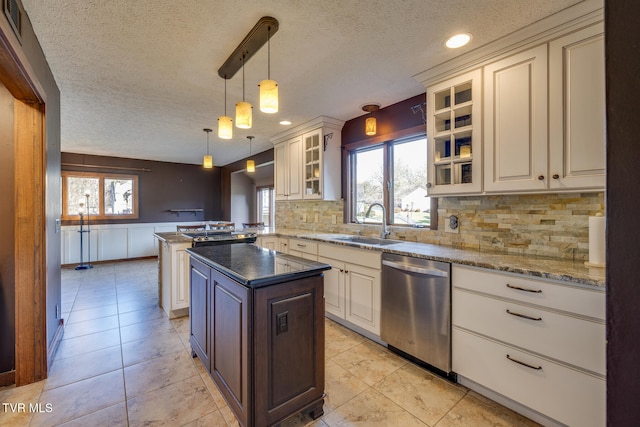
(179, 211)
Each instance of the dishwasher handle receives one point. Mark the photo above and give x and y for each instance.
(414, 269)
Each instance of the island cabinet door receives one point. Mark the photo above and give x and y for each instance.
(199, 278)
(230, 352)
(289, 350)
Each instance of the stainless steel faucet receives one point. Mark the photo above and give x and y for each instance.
(385, 232)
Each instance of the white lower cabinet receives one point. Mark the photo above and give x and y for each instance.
(352, 286)
(304, 249)
(268, 242)
(539, 343)
(174, 278)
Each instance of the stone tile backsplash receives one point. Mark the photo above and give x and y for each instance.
(552, 225)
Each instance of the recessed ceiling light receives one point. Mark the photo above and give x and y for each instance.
(458, 40)
(285, 123)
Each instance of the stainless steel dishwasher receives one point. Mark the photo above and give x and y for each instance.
(416, 308)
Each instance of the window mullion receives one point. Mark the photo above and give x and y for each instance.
(387, 162)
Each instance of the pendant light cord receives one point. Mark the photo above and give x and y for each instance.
(225, 95)
(269, 53)
(242, 78)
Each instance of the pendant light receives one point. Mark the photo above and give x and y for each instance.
(268, 88)
(370, 124)
(243, 108)
(251, 164)
(207, 161)
(225, 125)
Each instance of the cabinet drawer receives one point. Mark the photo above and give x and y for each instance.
(564, 394)
(569, 339)
(304, 246)
(362, 257)
(569, 298)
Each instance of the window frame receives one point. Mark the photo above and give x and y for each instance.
(272, 199)
(349, 160)
(101, 176)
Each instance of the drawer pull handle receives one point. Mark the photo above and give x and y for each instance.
(537, 368)
(518, 288)
(524, 316)
(300, 245)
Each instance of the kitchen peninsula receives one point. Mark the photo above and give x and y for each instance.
(257, 326)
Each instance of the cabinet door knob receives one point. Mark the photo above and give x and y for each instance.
(556, 176)
(429, 185)
(540, 177)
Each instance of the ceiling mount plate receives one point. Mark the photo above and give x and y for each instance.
(267, 26)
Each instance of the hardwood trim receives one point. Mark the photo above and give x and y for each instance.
(30, 243)
(7, 378)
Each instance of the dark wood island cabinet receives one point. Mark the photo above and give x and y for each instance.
(257, 326)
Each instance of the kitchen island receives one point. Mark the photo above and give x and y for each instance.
(257, 326)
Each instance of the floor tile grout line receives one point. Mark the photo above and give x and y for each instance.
(124, 379)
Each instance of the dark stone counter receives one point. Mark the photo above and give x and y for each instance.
(255, 267)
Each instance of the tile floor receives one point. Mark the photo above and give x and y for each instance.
(122, 362)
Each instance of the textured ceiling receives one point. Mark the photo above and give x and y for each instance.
(139, 78)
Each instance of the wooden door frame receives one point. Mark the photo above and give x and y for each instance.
(19, 78)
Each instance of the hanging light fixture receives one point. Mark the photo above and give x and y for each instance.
(243, 108)
(268, 88)
(251, 164)
(225, 125)
(370, 124)
(207, 161)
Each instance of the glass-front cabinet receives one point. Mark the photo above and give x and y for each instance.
(312, 157)
(453, 135)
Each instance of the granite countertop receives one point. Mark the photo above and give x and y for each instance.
(571, 272)
(173, 237)
(255, 267)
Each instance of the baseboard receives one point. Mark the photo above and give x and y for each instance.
(7, 378)
(55, 342)
(109, 261)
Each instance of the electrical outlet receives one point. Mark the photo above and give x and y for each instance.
(304, 217)
(334, 219)
(316, 218)
(451, 225)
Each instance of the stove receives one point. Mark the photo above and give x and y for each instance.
(216, 237)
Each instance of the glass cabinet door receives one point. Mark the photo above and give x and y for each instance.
(312, 165)
(453, 126)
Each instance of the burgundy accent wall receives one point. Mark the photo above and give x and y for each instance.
(394, 121)
(622, 211)
(166, 186)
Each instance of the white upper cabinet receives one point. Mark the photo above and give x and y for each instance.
(535, 120)
(577, 110)
(453, 134)
(515, 122)
(288, 171)
(308, 161)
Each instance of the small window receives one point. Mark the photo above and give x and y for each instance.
(265, 211)
(110, 196)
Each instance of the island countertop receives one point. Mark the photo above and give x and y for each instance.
(255, 267)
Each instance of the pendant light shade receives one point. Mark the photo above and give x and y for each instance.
(370, 126)
(243, 115)
(243, 108)
(207, 161)
(225, 124)
(370, 123)
(268, 87)
(225, 127)
(269, 96)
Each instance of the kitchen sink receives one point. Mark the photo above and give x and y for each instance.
(367, 240)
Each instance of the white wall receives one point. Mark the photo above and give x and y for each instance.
(243, 199)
